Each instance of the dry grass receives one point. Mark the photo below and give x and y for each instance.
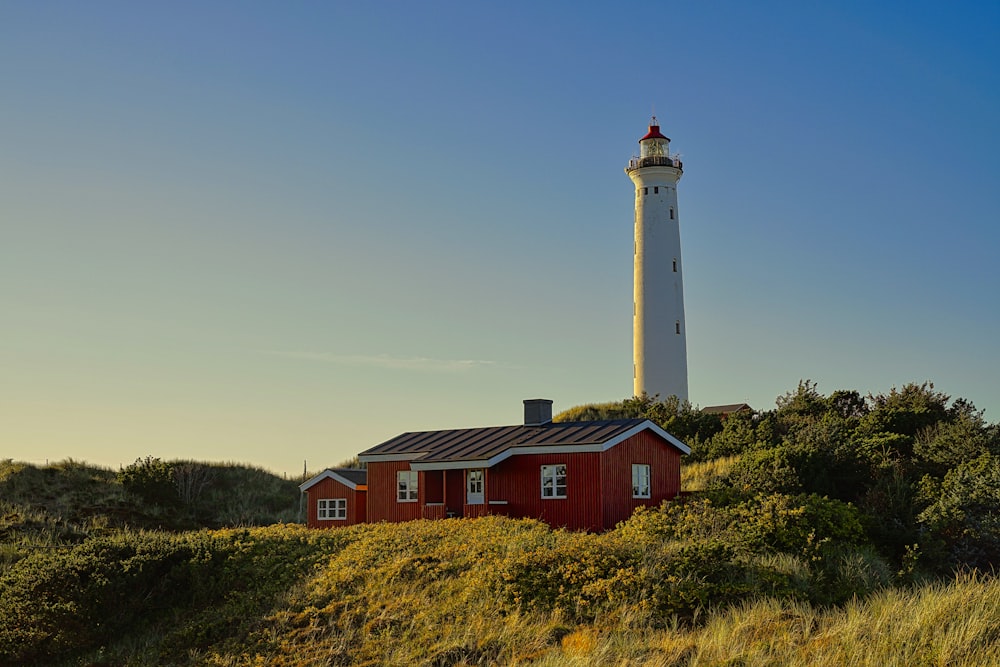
(697, 476)
(955, 624)
(496, 591)
(370, 606)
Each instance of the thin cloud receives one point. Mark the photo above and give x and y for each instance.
(386, 361)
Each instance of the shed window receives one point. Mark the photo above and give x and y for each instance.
(331, 509)
(406, 486)
(640, 480)
(554, 481)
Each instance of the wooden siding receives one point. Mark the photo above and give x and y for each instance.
(454, 489)
(477, 510)
(616, 475)
(432, 487)
(434, 511)
(382, 503)
(598, 487)
(518, 481)
(330, 488)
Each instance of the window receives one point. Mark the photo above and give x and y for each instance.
(671, 214)
(645, 191)
(476, 481)
(640, 480)
(656, 189)
(675, 265)
(331, 509)
(554, 481)
(677, 326)
(406, 486)
(474, 485)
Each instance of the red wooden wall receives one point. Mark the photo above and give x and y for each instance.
(382, 503)
(330, 488)
(454, 491)
(431, 487)
(598, 487)
(518, 481)
(616, 475)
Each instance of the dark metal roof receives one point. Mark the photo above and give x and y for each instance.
(475, 444)
(357, 475)
(725, 409)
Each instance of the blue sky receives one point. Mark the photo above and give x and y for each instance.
(277, 232)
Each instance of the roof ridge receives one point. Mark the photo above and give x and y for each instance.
(484, 442)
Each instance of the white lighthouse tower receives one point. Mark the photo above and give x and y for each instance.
(659, 347)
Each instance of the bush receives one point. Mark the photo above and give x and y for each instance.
(964, 520)
(60, 603)
(150, 481)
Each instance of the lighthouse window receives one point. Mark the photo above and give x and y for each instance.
(645, 191)
(656, 189)
(677, 326)
(671, 214)
(675, 265)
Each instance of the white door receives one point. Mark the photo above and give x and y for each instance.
(474, 483)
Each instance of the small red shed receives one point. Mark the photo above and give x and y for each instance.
(578, 475)
(336, 497)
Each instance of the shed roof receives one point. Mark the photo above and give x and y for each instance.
(352, 478)
(486, 446)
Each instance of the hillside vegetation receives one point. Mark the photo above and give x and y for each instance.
(487, 591)
(831, 530)
(65, 503)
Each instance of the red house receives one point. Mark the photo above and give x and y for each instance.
(579, 475)
(337, 497)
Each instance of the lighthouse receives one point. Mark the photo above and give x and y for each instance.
(659, 347)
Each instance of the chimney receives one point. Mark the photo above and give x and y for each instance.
(537, 411)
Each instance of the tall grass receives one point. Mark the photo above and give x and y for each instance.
(490, 591)
(698, 475)
(953, 623)
(500, 592)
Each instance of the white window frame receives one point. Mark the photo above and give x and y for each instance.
(475, 486)
(407, 486)
(331, 509)
(553, 480)
(640, 480)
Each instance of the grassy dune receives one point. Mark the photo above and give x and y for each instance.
(476, 592)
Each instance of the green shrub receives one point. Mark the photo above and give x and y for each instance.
(964, 520)
(59, 603)
(150, 481)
